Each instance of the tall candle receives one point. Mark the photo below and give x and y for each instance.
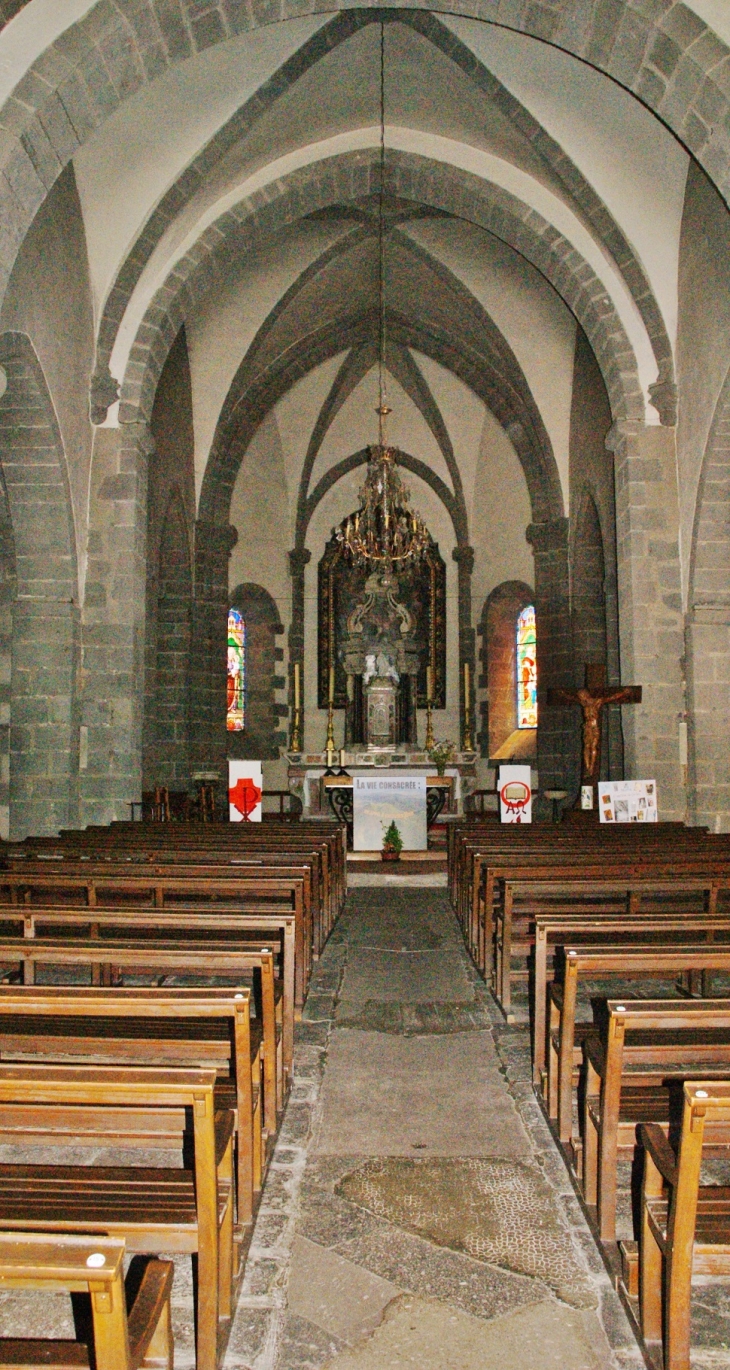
(332, 685)
(296, 686)
(466, 683)
(429, 684)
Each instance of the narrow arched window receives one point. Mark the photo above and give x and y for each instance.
(526, 668)
(236, 716)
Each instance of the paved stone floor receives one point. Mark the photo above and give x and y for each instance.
(418, 1214)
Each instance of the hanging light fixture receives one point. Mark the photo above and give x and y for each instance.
(385, 529)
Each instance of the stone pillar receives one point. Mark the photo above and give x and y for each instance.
(299, 559)
(558, 733)
(113, 625)
(208, 735)
(650, 605)
(464, 557)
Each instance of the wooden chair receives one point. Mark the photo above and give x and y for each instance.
(92, 1265)
(685, 1227)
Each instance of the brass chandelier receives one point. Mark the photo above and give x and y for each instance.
(385, 529)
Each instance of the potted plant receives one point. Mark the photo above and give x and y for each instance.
(392, 843)
(442, 755)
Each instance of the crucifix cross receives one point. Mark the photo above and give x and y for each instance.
(592, 698)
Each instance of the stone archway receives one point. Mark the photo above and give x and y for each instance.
(44, 726)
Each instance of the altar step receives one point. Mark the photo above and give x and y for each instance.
(426, 869)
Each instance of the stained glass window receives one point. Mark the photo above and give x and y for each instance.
(236, 671)
(526, 669)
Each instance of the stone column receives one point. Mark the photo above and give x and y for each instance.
(464, 557)
(558, 733)
(299, 559)
(650, 605)
(113, 624)
(208, 736)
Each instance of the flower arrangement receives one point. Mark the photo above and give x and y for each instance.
(442, 755)
(392, 843)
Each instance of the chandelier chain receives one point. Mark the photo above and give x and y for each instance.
(381, 243)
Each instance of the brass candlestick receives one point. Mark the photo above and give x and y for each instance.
(468, 741)
(430, 739)
(330, 743)
(295, 744)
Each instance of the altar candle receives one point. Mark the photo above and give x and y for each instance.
(429, 684)
(466, 683)
(296, 686)
(332, 685)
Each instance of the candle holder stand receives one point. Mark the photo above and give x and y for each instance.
(430, 739)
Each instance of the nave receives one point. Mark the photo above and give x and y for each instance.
(434, 1224)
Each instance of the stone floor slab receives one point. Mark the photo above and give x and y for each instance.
(341, 1298)
(388, 1096)
(404, 977)
(417, 1335)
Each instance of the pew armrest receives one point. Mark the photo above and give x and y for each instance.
(148, 1311)
(656, 1144)
(224, 1123)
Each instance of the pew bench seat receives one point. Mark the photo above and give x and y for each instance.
(121, 1339)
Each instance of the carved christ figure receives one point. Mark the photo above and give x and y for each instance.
(592, 698)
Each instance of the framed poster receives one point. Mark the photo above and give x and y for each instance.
(627, 801)
(245, 791)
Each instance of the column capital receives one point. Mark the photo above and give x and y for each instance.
(215, 539)
(299, 558)
(463, 555)
(548, 536)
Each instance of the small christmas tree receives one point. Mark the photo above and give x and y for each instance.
(393, 842)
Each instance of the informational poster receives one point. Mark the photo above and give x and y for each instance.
(627, 801)
(379, 800)
(515, 794)
(245, 789)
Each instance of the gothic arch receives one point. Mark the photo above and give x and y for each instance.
(45, 631)
(338, 30)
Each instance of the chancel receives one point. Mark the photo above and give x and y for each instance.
(365, 432)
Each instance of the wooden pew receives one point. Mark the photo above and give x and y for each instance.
(685, 1225)
(196, 1027)
(204, 958)
(523, 901)
(155, 888)
(658, 962)
(246, 929)
(643, 1051)
(154, 1209)
(93, 1266)
(593, 930)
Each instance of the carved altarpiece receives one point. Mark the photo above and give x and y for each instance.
(380, 631)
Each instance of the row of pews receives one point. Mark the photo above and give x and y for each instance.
(617, 940)
(150, 978)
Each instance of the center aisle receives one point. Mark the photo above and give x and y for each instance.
(417, 1213)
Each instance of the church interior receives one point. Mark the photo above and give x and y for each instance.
(365, 429)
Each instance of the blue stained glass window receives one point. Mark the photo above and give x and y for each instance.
(236, 716)
(527, 669)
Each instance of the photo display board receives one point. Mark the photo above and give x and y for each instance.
(245, 789)
(627, 801)
(378, 800)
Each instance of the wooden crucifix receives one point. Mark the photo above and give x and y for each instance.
(592, 698)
